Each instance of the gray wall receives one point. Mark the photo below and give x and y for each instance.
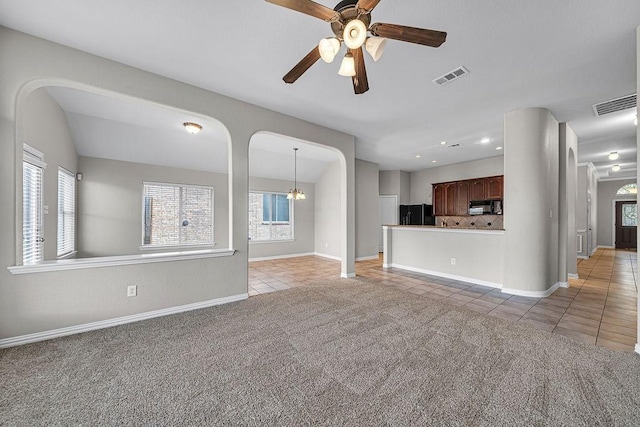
(421, 180)
(31, 303)
(396, 183)
(328, 225)
(367, 209)
(606, 197)
(110, 204)
(303, 220)
(46, 129)
(568, 261)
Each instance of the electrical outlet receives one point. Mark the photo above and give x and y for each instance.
(453, 261)
(132, 290)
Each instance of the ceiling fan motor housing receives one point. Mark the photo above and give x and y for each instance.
(347, 9)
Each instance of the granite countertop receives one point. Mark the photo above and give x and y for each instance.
(451, 227)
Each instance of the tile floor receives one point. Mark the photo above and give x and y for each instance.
(598, 308)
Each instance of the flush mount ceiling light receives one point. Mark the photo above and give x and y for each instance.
(613, 155)
(434, 161)
(485, 140)
(418, 156)
(351, 23)
(295, 193)
(443, 142)
(616, 168)
(192, 128)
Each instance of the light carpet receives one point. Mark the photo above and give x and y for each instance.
(341, 352)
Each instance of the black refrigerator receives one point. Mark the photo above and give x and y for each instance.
(417, 215)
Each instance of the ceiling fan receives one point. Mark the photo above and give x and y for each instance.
(350, 21)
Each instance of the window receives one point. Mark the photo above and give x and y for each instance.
(176, 215)
(32, 231)
(66, 212)
(628, 189)
(270, 216)
(629, 214)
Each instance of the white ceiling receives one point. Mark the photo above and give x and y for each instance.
(561, 55)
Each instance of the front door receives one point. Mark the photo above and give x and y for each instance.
(626, 224)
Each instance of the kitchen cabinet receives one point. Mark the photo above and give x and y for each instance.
(438, 199)
(493, 187)
(452, 198)
(476, 189)
(462, 198)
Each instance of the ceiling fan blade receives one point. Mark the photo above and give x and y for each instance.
(310, 8)
(367, 5)
(302, 66)
(421, 36)
(360, 82)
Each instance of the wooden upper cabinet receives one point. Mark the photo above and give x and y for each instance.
(450, 198)
(493, 187)
(462, 198)
(476, 189)
(438, 199)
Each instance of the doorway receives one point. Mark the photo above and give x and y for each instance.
(388, 215)
(626, 224)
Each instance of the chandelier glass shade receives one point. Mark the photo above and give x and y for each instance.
(295, 193)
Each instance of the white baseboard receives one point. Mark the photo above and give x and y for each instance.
(594, 251)
(268, 258)
(445, 275)
(70, 330)
(563, 284)
(366, 258)
(637, 349)
(605, 247)
(336, 258)
(533, 294)
(573, 276)
(348, 275)
(583, 257)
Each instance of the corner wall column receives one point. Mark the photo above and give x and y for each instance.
(531, 181)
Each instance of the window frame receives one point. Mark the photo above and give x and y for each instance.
(61, 215)
(290, 223)
(150, 247)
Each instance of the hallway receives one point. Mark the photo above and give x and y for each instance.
(598, 308)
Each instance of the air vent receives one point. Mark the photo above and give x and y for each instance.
(615, 105)
(451, 75)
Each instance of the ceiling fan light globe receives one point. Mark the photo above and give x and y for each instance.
(616, 168)
(328, 49)
(348, 66)
(355, 33)
(375, 46)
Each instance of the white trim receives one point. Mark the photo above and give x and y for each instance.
(348, 275)
(533, 294)
(176, 247)
(604, 247)
(563, 284)
(583, 257)
(573, 276)
(593, 251)
(337, 258)
(261, 242)
(437, 228)
(366, 258)
(112, 261)
(446, 276)
(637, 348)
(267, 258)
(70, 330)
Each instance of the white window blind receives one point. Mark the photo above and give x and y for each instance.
(177, 215)
(66, 212)
(270, 216)
(32, 230)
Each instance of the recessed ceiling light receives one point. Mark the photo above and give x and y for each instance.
(485, 140)
(418, 156)
(498, 148)
(613, 155)
(192, 128)
(615, 168)
(443, 143)
(434, 161)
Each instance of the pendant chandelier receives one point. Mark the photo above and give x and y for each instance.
(295, 193)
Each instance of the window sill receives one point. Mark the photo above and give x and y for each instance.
(259, 242)
(177, 247)
(113, 261)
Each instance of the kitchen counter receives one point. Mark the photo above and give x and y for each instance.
(472, 255)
